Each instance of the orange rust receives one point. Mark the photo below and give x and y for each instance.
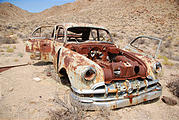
(130, 97)
(121, 61)
(67, 61)
(27, 48)
(112, 91)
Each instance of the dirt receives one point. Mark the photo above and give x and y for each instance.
(28, 93)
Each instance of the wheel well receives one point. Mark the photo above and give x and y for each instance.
(64, 77)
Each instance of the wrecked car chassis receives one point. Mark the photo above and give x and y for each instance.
(100, 74)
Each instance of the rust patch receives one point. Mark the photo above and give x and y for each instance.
(67, 61)
(111, 59)
(130, 97)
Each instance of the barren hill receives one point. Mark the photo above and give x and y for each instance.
(10, 12)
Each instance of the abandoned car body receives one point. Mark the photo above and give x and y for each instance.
(100, 74)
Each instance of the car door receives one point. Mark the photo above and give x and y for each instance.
(145, 45)
(40, 43)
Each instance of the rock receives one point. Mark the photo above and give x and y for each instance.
(33, 102)
(169, 101)
(11, 89)
(49, 74)
(37, 79)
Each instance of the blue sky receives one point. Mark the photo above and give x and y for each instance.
(36, 5)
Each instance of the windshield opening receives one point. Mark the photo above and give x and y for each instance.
(44, 31)
(82, 34)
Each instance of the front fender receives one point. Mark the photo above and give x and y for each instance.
(74, 63)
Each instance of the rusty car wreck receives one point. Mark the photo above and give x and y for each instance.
(100, 74)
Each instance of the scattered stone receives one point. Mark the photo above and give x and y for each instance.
(51, 99)
(33, 102)
(37, 79)
(49, 74)
(169, 101)
(11, 89)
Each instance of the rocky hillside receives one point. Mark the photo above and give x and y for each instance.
(125, 18)
(10, 12)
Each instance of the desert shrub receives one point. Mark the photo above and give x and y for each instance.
(174, 87)
(16, 60)
(165, 60)
(14, 47)
(20, 54)
(1, 50)
(68, 112)
(7, 40)
(10, 50)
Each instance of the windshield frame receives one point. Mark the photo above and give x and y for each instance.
(98, 37)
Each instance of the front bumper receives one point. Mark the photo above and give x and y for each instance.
(117, 97)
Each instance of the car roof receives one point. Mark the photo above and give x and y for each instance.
(69, 25)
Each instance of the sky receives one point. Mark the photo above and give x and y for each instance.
(36, 5)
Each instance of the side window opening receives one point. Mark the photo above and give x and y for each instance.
(45, 32)
(104, 36)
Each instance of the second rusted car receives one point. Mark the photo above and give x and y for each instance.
(100, 74)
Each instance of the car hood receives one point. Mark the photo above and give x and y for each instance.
(116, 63)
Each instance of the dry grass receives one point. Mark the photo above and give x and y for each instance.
(16, 60)
(165, 60)
(14, 47)
(20, 54)
(7, 40)
(66, 111)
(10, 50)
(1, 50)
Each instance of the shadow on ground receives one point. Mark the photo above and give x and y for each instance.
(41, 63)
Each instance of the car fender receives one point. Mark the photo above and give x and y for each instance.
(74, 64)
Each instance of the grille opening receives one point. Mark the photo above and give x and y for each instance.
(101, 87)
(136, 69)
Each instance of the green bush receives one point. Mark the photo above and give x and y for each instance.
(165, 60)
(10, 50)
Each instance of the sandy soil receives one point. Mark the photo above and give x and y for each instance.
(28, 93)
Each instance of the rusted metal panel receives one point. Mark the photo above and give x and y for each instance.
(130, 66)
(11, 66)
(100, 73)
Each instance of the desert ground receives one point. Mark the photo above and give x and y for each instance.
(30, 93)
